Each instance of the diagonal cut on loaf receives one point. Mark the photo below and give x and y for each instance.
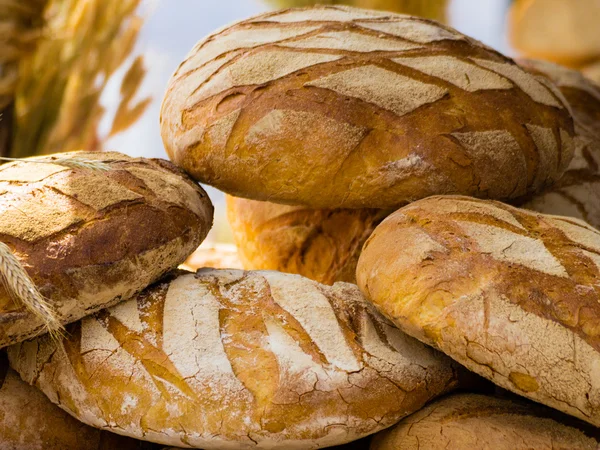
(512, 295)
(337, 107)
(320, 244)
(228, 359)
(89, 239)
(577, 193)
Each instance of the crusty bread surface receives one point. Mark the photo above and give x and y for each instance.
(512, 295)
(338, 107)
(228, 359)
(91, 238)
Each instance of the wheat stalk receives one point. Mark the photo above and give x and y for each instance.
(71, 162)
(22, 289)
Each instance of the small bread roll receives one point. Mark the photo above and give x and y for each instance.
(577, 193)
(337, 107)
(479, 422)
(227, 359)
(29, 421)
(90, 238)
(562, 31)
(512, 295)
(320, 244)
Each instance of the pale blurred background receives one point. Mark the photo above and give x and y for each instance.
(172, 27)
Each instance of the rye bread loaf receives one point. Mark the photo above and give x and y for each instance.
(577, 193)
(479, 422)
(562, 31)
(29, 421)
(227, 359)
(320, 244)
(337, 107)
(510, 294)
(89, 239)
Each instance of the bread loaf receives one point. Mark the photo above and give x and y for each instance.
(320, 244)
(29, 421)
(215, 255)
(228, 359)
(89, 239)
(336, 107)
(565, 32)
(478, 422)
(577, 193)
(511, 294)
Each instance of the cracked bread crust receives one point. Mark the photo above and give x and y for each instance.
(320, 244)
(228, 359)
(491, 286)
(337, 107)
(577, 193)
(29, 421)
(89, 239)
(478, 422)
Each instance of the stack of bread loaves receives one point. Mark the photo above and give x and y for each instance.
(320, 123)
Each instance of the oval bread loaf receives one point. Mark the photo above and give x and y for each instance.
(336, 107)
(227, 359)
(577, 193)
(512, 295)
(479, 422)
(29, 421)
(555, 30)
(320, 244)
(91, 238)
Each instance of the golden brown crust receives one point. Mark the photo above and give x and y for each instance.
(89, 239)
(478, 422)
(491, 285)
(320, 244)
(29, 421)
(577, 193)
(336, 107)
(232, 359)
(555, 30)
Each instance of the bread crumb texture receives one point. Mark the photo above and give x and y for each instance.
(577, 193)
(89, 239)
(337, 107)
(478, 422)
(233, 359)
(511, 294)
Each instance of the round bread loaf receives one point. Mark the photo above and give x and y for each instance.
(479, 422)
(214, 255)
(90, 238)
(336, 107)
(511, 294)
(577, 193)
(227, 359)
(29, 421)
(556, 30)
(320, 244)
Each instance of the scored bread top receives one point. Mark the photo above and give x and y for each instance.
(491, 286)
(577, 193)
(29, 421)
(90, 238)
(320, 244)
(479, 422)
(227, 359)
(337, 107)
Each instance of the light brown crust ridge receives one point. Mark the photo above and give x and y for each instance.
(478, 422)
(89, 239)
(337, 107)
(233, 359)
(320, 244)
(577, 193)
(491, 286)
